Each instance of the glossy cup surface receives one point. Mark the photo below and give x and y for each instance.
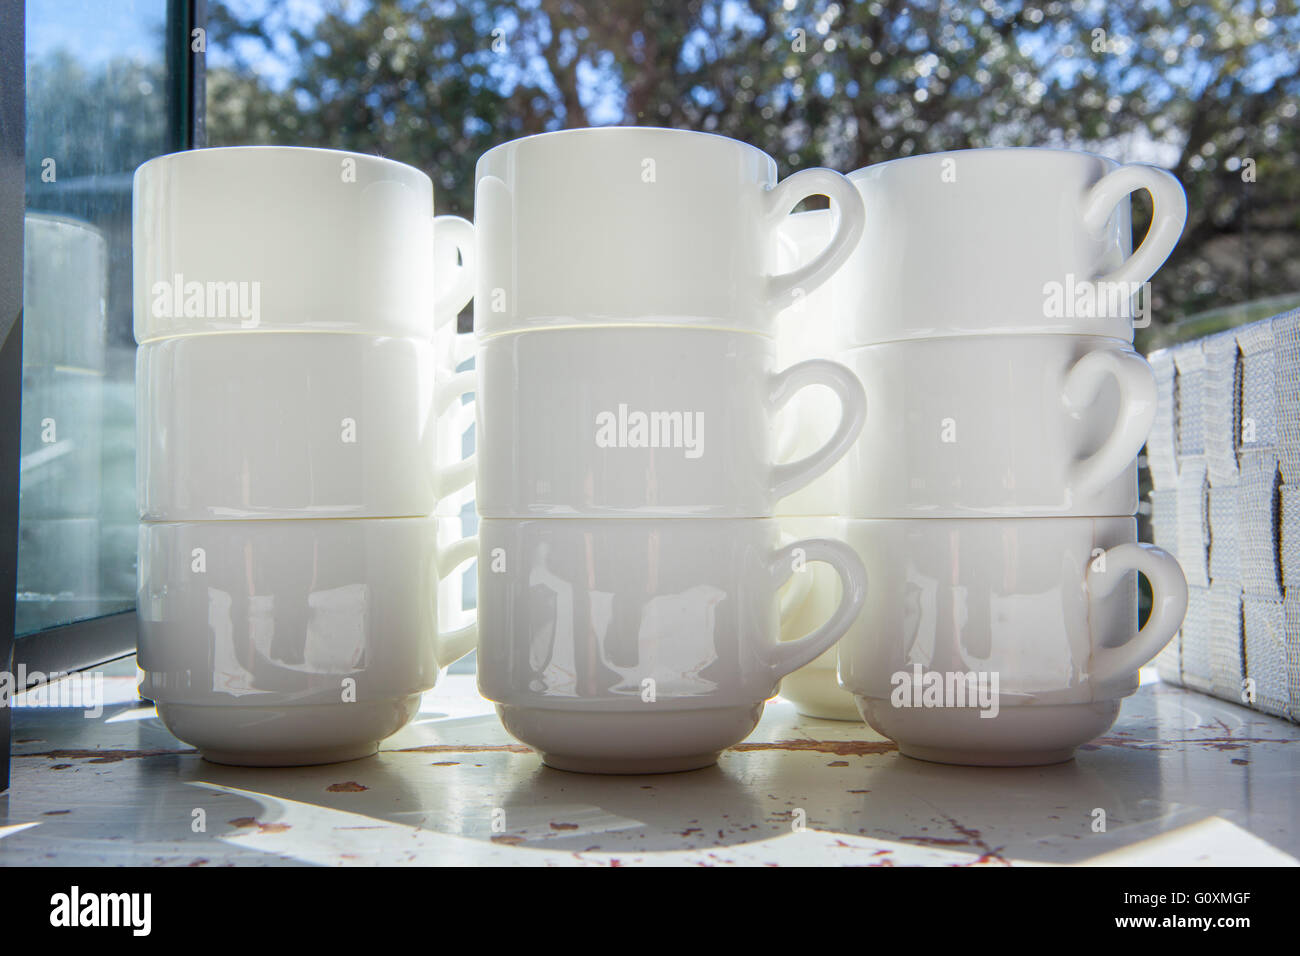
(967, 242)
(282, 425)
(583, 226)
(1010, 596)
(997, 425)
(254, 632)
(644, 421)
(280, 238)
(973, 626)
(658, 639)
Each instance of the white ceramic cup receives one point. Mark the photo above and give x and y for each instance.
(643, 421)
(1002, 240)
(997, 425)
(289, 425)
(286, 238)
(1046, 607)
(623, 225)
(642, 646)
(292, 642)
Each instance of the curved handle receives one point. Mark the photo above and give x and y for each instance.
(1168, 216)
(453, 347)
(459, 474)
(789, 656)
(1168, 605)
(1137, 412)
(791, 476)
(453, 283)
(463, 415)
(450, 479)
(464, 346)
(453, 645)
(453, 387)
(795, 591)
(852, 219)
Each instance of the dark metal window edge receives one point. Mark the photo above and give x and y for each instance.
(13, 114)
(76, 646)
(189, 92)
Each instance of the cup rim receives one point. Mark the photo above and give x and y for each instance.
(615, 130)
(273, 527)
(180, 155)
(42, 217)
(963, 340)
(861, 173)
(606, 329)
(1059, 521)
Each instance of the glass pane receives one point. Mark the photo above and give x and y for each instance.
(97, 106)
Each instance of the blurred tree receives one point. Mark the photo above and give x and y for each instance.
(92, 121)
(1208, 88)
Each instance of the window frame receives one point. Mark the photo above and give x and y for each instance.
(94, 641)
(13, 134)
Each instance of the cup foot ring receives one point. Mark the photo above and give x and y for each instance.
(289, 758)
(987, 758)
(651, 740)
(1022, 735)
(633, 766)
(287, 736)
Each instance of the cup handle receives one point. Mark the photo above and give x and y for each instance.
(452, 235)
(789, 477)
(464, 416)
(1168, 216)
(1168, 605)
(782, 288)
(451, 646)
(457, 385)
(789, 656)
(1137, 412)
(459, 474)
(463, 347)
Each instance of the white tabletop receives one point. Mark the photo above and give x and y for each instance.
(1183, 779)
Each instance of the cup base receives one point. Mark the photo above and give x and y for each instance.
(287, 736)
(288, 758)
(1019, 736)
(630, 767)
(628, 742)
(816, 693)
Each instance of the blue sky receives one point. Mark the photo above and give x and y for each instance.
(96, 30)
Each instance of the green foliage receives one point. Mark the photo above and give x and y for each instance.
(1201, 86)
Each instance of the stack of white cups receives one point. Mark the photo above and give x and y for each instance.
(630, 564)
(288, 406)
(988, 312)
